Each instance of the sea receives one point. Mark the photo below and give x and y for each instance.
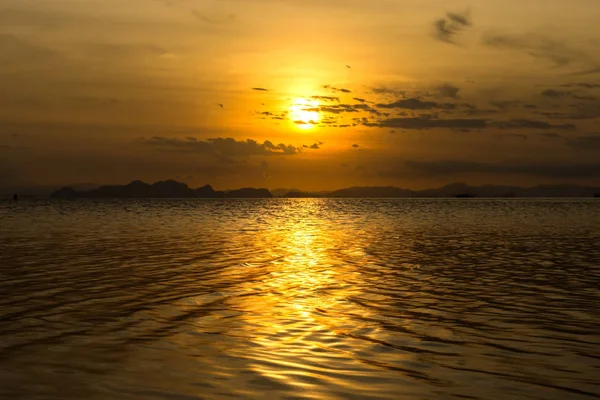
(186, 299)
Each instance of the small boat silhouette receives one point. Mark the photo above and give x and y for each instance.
(15, 197)
(464, 196)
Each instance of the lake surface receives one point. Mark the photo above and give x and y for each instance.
(300, 299)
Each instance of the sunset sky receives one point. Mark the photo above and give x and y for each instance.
(308, 94)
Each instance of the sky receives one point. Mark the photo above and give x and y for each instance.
(310, 95)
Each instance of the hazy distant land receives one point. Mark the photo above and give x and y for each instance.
(174, 189)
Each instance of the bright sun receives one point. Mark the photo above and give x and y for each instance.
(304, 113)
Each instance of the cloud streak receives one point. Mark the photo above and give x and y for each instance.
(446, 28)
(223, 147)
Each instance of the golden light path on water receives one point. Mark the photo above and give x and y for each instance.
(303, 318)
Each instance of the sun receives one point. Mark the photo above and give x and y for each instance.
(305, 113)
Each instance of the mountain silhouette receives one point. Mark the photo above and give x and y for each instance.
(456, 190)
(174, 189)
(161, 189)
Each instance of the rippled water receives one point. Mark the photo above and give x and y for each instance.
(303, 298)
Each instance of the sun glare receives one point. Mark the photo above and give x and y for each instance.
(304, 113)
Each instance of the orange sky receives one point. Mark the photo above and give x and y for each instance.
(410, 93)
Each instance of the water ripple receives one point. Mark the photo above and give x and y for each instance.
(300, 299)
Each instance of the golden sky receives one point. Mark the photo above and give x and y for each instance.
(305, 94)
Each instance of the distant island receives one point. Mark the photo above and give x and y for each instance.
(455, 190)
(161, 189)
(174, 189)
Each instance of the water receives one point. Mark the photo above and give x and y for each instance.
(300, 299)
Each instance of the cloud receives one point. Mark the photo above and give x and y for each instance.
(213, 20)
(584, 85)
(513, 136)
(530, 124)
(592, 71)
(428, 123)
(550, 135)
(355, 146)
(359, 99)
(536, 46)
(388, 90)
(260, 89)
(315, 146)
(334, 89)
(448, 27)
(504, 104)
(16, 52)
(588, 142)
(343, 108)
(416, 104)
(326, 98)
(447, 90)
(554, 94)
(222, 147)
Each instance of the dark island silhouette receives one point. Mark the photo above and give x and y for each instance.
(455, 190)
(161, 189)
(173, 189)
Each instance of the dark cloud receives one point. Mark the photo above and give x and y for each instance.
(513, 136)
(388, 90)
(427, 123)
(586, 98)
(530, 124)
(505, 104)
(334, 89)
(360, 100)
(554, 94)
(260, 89)
(326, 98)
(536, 46)
(448, 27)
(592, 71)
(588, 142)
(343, 108)
(417, 104)
(583, 85)
(222, 147)
(356, 146)
(447, 90)
(550, 135)
(589, 109)
(476, 112)
(315, 146)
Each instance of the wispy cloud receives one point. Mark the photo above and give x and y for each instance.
(214, 20)
(587, 142)
(326, 98)
(428, 123)
(538, 46)
(530, 124)
(554, 94)
(222, 147)
(448, 27)
(448, 90)
(335, 89)
(417, 104)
